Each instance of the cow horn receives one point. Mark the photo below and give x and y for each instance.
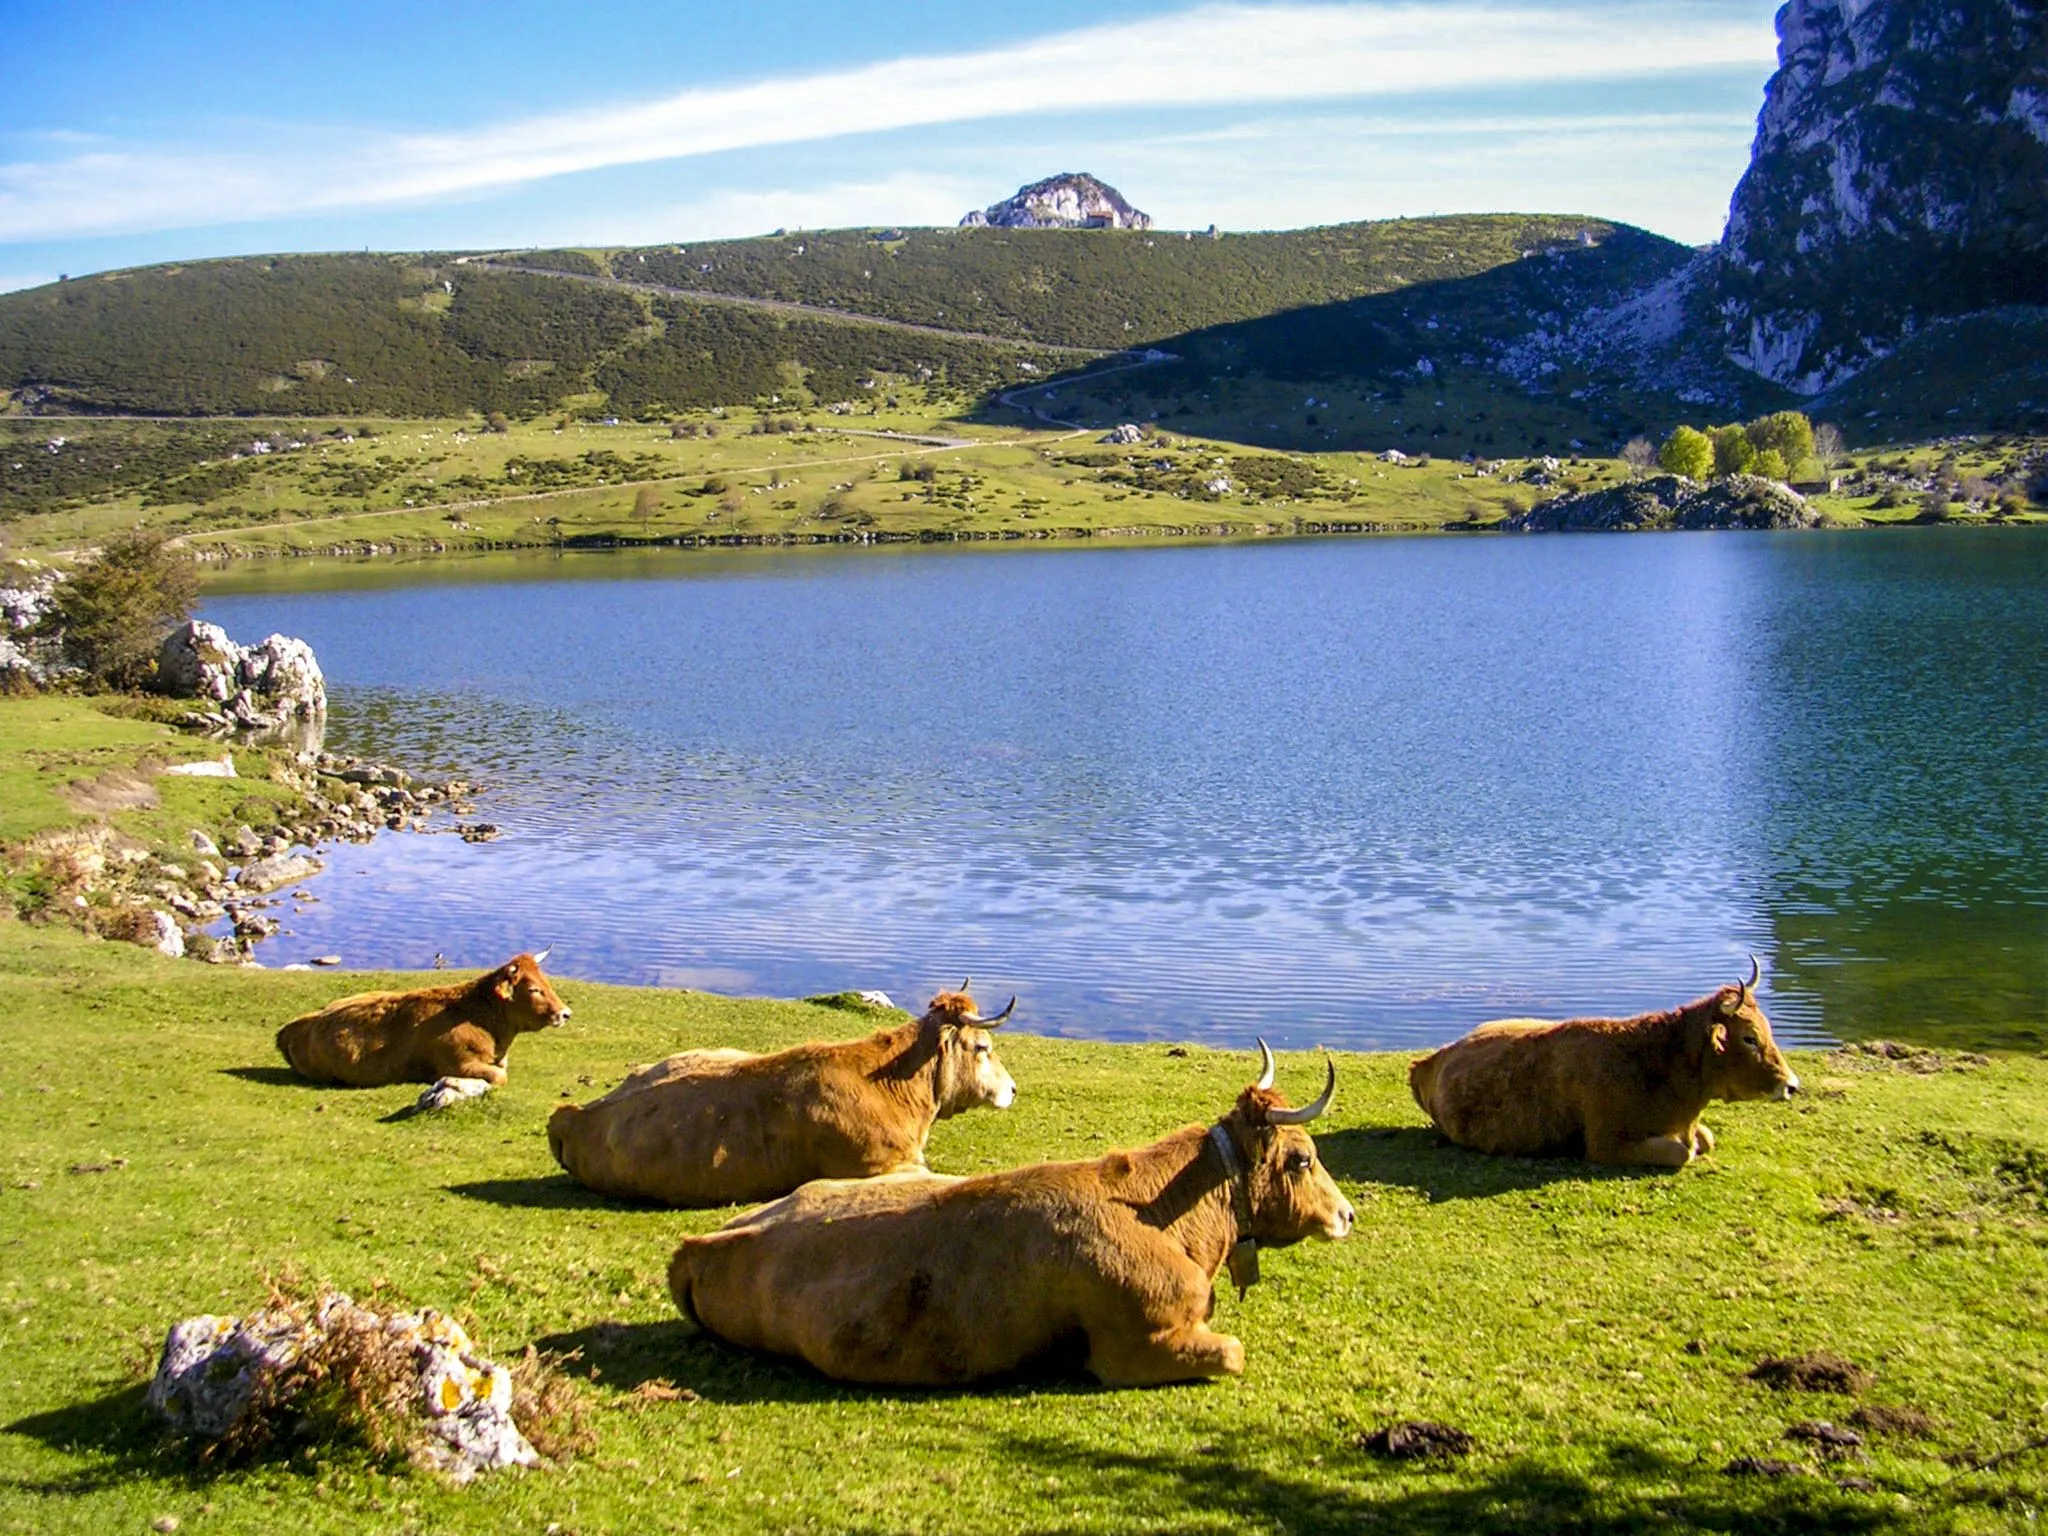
(1308, 1112)
(537, 959)
(1755, 971)
(1265, 1070)
(975, 1018)
(966, 983)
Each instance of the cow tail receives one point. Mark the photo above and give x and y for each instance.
(1422, 1082)
(681, 1274)
(558, 1124)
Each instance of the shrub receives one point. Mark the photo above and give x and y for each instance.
(1734, 453)
(1771, 465)
(115, 610)
(1638, 455)
(1689, 452)
(498, 422)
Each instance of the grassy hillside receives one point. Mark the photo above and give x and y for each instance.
(423, 337)
(1101, 288)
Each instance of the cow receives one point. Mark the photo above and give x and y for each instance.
(924, 1280)
(1614, 1090)
(454, 1036)
(725, 1127)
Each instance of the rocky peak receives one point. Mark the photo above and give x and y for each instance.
(1900, 174)
(1074, 200)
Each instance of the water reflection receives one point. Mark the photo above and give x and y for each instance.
(1361, 792)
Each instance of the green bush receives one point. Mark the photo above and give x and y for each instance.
(1734, 453)
(1689, 452)
(117, 607)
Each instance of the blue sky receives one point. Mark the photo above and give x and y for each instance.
(142, 132)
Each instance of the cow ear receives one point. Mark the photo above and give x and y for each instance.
(502, 989)
(1718, 1040)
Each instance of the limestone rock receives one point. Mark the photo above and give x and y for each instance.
(1671, 501)
(214, 1371)
(279, 869)
(1073, 200)
(272, 684)
(1900, 174)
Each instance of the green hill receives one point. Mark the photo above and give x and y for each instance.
(440, 335)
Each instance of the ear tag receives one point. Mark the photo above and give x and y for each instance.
(1243, 1264)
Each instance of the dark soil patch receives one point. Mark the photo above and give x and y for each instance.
(1816, 1372)
(1763, 1466)
(1416, 1440)
(1893, 1419)
(1833, 1443)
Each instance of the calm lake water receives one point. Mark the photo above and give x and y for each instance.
(1362, 792)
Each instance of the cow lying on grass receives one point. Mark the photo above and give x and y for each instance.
(1616, 1090)
(454, 1036)
(929, 1281)
(721, 1127)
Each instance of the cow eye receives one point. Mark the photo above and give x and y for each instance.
(981, 1048)
(1297, 1162)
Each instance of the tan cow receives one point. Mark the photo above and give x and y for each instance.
(723, 1127)
(1616, 1090)
(455, 1036)
(930, 1281)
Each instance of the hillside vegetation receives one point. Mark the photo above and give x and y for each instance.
(1102, 288)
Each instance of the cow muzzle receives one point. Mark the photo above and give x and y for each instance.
(1787, 1088)
(1340, 1223)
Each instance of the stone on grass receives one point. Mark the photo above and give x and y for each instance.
(216, 1374)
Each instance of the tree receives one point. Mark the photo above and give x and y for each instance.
(1789, 432)
(1828, 445)
(646, 502)
(1688, 452)
(117, 607)
(1639, 456)
(497, 422)
(1771, 465)
(1734, 453)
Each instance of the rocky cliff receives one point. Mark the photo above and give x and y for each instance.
(1900, 174)
(1075, 200)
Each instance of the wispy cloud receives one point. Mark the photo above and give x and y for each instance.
(1214, 55)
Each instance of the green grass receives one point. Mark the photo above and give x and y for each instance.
(1592, 1330)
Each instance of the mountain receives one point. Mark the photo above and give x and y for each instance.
(1074, 200)
(1900, 175)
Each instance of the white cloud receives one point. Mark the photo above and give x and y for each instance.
(1212, 56)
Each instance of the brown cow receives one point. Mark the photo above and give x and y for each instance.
(455, 1034)
(722, 1127)
(1618, 1090)
(929, 1281)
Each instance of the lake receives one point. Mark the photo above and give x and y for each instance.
(1358, 792)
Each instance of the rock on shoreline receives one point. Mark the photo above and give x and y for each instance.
(1664, 502)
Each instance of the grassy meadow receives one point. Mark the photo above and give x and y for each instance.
(919, 468)
(1594, 1331)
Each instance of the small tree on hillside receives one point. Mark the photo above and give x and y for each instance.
(1771, 465)
(1689, 452)
(497, 421)
(1828, 445)
(117, 607)
(646, 502)
(1639, 456)
(1734, 453)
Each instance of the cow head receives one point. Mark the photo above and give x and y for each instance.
(528, 999)
(969, 1075)
(1740, 1060)
(1288, 1190)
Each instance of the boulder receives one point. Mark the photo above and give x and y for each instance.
(272, 684)
(279, 869)
(215, 1373)
(1670, 501)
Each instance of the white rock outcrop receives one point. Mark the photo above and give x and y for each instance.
(274, 683)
